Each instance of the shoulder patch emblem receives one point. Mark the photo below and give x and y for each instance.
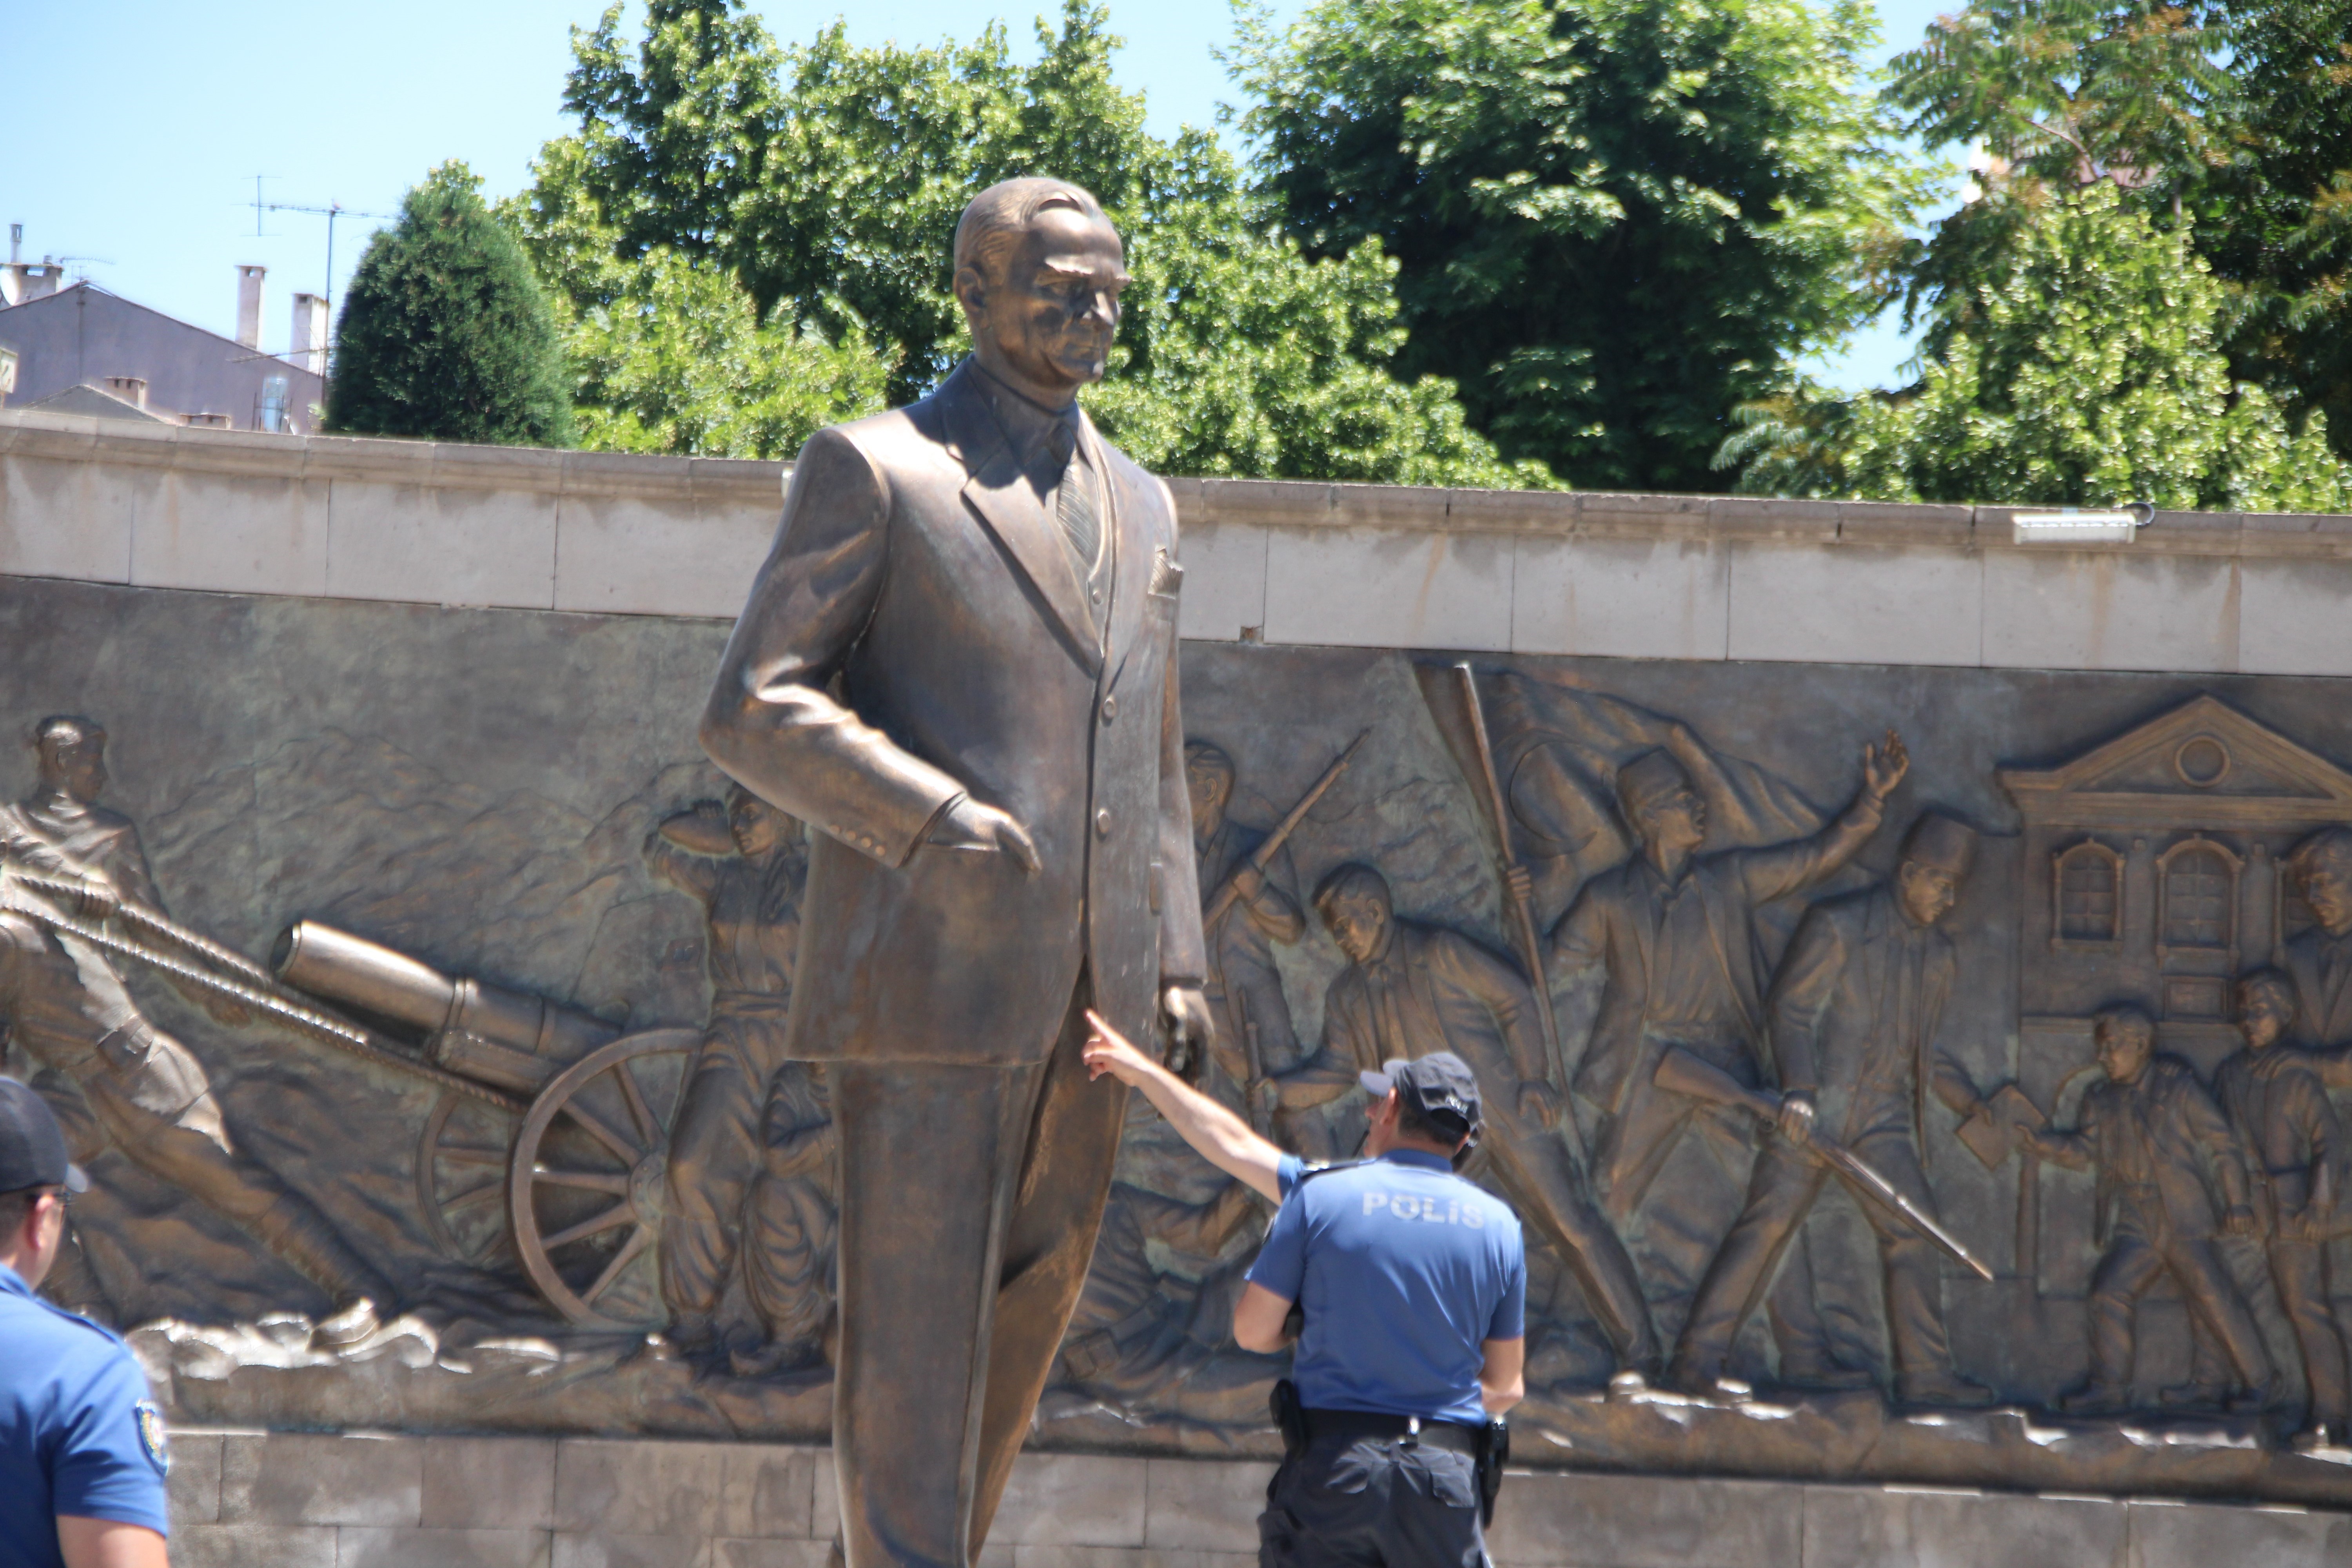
(154, 1436)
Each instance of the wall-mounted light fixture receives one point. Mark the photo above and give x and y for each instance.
(2077, 526)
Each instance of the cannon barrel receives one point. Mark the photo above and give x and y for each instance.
(484, 1031)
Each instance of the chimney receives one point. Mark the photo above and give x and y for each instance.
(309, 340)
(249, 305)
(132, 389)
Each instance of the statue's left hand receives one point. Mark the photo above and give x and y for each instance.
(1185, 1011)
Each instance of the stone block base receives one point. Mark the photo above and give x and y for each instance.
(254, 1499)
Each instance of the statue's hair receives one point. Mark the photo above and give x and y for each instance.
(2269, 980)
(63, 730)
(2118, 1017)
(1353, 880)
(2327, 844)
(994, 220)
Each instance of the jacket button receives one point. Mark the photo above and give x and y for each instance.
(1102, 823)
(1110, 707)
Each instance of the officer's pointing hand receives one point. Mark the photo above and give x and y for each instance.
(1108, 1051)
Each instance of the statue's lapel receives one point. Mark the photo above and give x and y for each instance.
(1000, 494)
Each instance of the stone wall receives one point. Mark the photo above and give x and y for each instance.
(1664, 576)
(252, 1500)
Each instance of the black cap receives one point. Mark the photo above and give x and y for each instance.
(31, 1146)
(1440, 1086)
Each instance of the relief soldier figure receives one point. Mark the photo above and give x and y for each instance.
(958, 666)
(2164, 1152)
(1256, 1040)
(120, 1080)
(790, 1224)
(1853, 1012)
(2294, 1146)
(746, 865)
(1410, 989)
(1674, 931)
(1138, 1336)
(2319, 958)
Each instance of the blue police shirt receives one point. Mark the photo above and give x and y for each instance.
(78, 1434)
(1404, 1272)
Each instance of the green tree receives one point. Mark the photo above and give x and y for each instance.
(2088, 371)
(2234, 114)
(1615, 219)
(825, 182)
(445, 332)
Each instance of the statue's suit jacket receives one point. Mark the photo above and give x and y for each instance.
(918, 631)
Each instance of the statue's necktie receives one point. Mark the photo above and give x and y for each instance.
(1074, 504)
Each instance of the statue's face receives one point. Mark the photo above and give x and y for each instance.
(2262, 1015)
(1050, 317)
(1928, 892)
(2124, 1050)
(1357, 924)
(1208, 785)
(1675, 820)
(2328, 889)
(78, 767)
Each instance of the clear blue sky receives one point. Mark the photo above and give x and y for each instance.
(141, 125)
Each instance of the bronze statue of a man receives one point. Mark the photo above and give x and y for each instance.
(958, 665)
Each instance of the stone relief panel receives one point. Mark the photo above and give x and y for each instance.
(1902, 1073)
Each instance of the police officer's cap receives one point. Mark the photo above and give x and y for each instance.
(1440, 1086)
(31, 1146)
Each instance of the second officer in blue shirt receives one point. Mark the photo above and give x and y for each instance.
(1413, 1285)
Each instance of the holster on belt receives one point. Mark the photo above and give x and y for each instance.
(1289, 1416)
(1493, 1452)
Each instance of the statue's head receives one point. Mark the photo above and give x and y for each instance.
(2320, 868)
(2126, 1038)
(72, 753)
(2265, 1007)
(1936, 854)
(1209, 779)
(1356, 907)
(1038, 270)
(1660, 803)
(755, 825)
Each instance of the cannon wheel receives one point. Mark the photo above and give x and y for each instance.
(586, 1182)
(462, 1156)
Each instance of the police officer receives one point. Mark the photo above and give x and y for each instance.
(1413, 1288)
(81, 1443)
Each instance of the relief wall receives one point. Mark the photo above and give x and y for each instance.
(1931, 1075)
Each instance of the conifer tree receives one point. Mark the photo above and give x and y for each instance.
(444, 332)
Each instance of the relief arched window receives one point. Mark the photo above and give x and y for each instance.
(2089, 893)
(2201, 895)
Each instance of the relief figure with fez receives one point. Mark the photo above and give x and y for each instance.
(1853, 1012)
(958, 665)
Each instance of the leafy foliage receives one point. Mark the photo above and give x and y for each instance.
(2235, 114)
(443, 331)
(2088, 371)
(821, 184)
(1615, 219)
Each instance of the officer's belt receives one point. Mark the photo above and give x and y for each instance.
(1348, 1424)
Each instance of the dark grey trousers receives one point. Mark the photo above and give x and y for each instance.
(1371, 1502)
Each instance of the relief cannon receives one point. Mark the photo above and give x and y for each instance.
(554, 1134)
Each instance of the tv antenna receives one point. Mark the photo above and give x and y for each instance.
(331, 211)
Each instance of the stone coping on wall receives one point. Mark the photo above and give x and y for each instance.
(357, 1500)
(1656, 576)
